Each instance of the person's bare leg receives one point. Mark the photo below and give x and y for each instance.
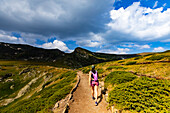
(92, 91)
(96, 92)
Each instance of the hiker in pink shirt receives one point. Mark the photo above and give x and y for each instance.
(94, 83)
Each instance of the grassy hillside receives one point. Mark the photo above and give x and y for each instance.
(30, 87)
(139, 84)
(153, 65)
(78, 58)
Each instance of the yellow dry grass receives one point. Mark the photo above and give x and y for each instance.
(155, 68)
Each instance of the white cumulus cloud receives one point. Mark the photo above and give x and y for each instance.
(146, 46)
(6, 37)
(158, 49)
(31, 38)
(92, 40)
(140, 23)
(142, 46)
(118, 51)
(164, 4)
(56, 44)
(156, 3)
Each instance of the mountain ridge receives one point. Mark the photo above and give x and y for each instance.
(78, 58)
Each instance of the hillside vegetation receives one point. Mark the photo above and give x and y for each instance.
(136, 84)
(29, 87)
(78, 58)
(139, 84)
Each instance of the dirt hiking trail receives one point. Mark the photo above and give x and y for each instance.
(83, 102)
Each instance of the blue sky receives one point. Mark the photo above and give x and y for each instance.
(107, 26)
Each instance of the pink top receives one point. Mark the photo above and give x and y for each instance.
(95, 76)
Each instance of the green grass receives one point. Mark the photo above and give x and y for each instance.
(139, 57)
(121, 61)
(153, 69)
(26, 63)
(19, 81)
(156, 57)
(142, 95)
(5, 87)
(118, 77)
(56, 83)
(100, 70)
(44, 100)
(131, 63)
(138, 94)
(115, 67)
(86, 70)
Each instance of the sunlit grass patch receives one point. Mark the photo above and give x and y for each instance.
(131, 63)
(100, 70)
(115, 67)
(155, 69)
(121, 61)
(52, 85)
(142, 95)
(47, 97)
(118, 77)
(86, 70)
(139, 57)
(156, 57)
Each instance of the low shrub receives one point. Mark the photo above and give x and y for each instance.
(100, 70)
(156, 57)
(115, 67)
(47, 83)
(131, 63)
(118, 77)
(142, 95)
(137, 58)
(65, 74)
(121, 61)
(86, 70)
(102, 64)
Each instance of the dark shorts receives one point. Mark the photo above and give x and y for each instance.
(93, 83)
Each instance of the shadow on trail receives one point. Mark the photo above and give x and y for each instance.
(103, 92)
(101, 97)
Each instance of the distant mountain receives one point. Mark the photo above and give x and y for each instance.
(26, 52)
(78, 58)
(82, 57)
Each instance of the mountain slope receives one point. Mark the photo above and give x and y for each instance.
(26, 52)
(33, 88)
(81, 57)
(78, 58)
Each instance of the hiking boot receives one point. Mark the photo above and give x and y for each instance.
(93, 98)
(96, 103)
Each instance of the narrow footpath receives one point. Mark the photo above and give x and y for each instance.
(83, 102)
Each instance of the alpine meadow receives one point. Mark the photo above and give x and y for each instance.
(84, 56)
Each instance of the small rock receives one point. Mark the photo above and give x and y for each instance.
(6, 101)
(25, 71)
(9, 80)
(56, 105)
(106, 97)
(12, 87)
